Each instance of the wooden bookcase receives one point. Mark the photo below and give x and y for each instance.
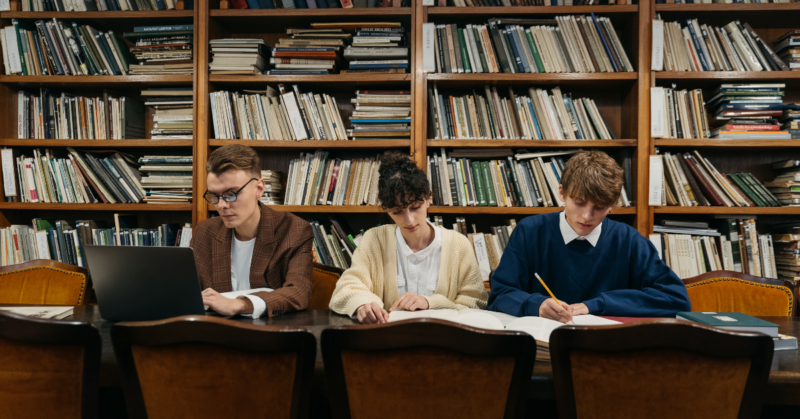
(623, 99)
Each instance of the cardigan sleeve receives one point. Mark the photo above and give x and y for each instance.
(465, 277)
(356, 286)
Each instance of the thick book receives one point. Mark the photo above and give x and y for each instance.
(738, 322)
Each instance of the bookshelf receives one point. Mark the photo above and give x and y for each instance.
(623, 99)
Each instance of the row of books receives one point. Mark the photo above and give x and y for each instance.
(272, 188)
(694, 248)
(536, 116)
(511, 3)
(52, 47)
(488, 247)
(678, 113)
(63, 241)
(173, 115)
(381, 115)
(317, 4)
(689, 46)
(565, 44)
(317, 179)
(337, 247)
(99, 5)
(166, 179)
(53, 115)
(108, 177)
(164, 49)
(691, 180)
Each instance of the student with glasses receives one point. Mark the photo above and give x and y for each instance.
(249, 245)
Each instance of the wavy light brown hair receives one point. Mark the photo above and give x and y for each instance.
(594, 176)
(401, 182)
(234, 156)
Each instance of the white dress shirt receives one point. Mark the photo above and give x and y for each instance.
(569, 234)
(241, 256)
(418, 272)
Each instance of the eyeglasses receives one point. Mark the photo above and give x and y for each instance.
(227, 196)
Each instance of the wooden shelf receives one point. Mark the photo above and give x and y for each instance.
(750, 8)
(329, 209)
(99, 81)
(678, 142)
(524, 10)
(348, 144)
(357, 78)
(95, 143)
(612, 80)
(511, 210)
(531, 143)
(728, 210)
(93, 207)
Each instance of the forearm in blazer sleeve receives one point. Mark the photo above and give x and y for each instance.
(296, 291)
(356, 286)
(471, 292)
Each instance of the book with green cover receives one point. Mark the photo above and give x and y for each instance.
(513, 169)
(763, 189)
(491, 199)
(479, 186)
(464, 54)
(535, 51)
(481, 54)
(745, 187)
(459, 64)
(733, 321)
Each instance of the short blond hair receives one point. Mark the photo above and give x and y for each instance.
(594, 176)
(234, 156)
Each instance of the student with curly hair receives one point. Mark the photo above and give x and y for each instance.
(412, 264)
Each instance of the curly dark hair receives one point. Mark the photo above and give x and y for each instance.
(401, 183)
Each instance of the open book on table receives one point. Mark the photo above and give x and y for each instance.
(538, 327)
(42, 312)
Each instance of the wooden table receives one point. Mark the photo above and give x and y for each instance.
(783, 386)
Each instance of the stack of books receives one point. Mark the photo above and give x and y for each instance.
(748, 111)
(689, 46)
(565, 44)
(76, 178)
(691, 180)
(102, 5)
(381, 115)
(788, 49)
(309, 51)
(384, 49)
(165, 49)
(281, 114)
(679, 113)
(167, 179)
(49, 48)
(174, 113)
(272, 188)
(790, 120)
(786, 186)
(317, 179)
(786, 242)
(238, 56)
(52, 115)
(337, 248)
(691, 248)
(538, 116)
(379, 48)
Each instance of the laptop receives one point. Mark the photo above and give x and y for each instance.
(137, 283)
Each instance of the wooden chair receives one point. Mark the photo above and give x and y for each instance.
(210, 367)
(426, 368)
(44, 281)
(324, 278)
(48, 368)
(734, 291)
(659, 369)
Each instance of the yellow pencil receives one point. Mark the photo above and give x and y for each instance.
(550, 292)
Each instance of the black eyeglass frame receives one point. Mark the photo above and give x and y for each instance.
(222, 197)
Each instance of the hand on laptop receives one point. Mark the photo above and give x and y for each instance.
(224, 305)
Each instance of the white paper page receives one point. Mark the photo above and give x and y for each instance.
(479, 320)
(399, 315)
(541, 328)
(234, 294)
(39, 312)
(503, 317)
(471, 317)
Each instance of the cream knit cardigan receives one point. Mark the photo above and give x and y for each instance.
(372, 276)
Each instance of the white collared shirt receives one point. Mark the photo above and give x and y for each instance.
(569, 234)
(241, 257)
(418, 272)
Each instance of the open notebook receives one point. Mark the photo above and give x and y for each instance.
(235, 294)
(538, 327)
(42, 312)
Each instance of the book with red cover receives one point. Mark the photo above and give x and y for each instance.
(748, 127)
(239, 4)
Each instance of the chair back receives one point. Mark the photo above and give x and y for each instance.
(44, 281)
(728, 291)
(198, 366)
(324, 278)
(426, 368)
(48, 368)
(659, 369)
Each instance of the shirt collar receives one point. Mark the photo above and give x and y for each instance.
(424, 253)
(569, 234)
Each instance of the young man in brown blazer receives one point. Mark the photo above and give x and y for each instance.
(249, 245)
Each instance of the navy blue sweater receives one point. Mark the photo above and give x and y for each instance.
(621, 276)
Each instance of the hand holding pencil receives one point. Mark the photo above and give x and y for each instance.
(554, 309)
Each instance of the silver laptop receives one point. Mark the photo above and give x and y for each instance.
(137, 283)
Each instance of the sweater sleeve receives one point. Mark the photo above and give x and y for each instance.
(510, 279)
(356, 286)
(471, 292)
(654, 289)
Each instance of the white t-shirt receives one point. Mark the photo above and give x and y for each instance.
(241, 257)
(418, 272)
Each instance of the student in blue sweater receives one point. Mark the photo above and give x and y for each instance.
(594, 265)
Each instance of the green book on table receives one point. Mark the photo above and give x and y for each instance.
(737, 322)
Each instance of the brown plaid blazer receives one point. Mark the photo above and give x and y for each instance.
(281, 259)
